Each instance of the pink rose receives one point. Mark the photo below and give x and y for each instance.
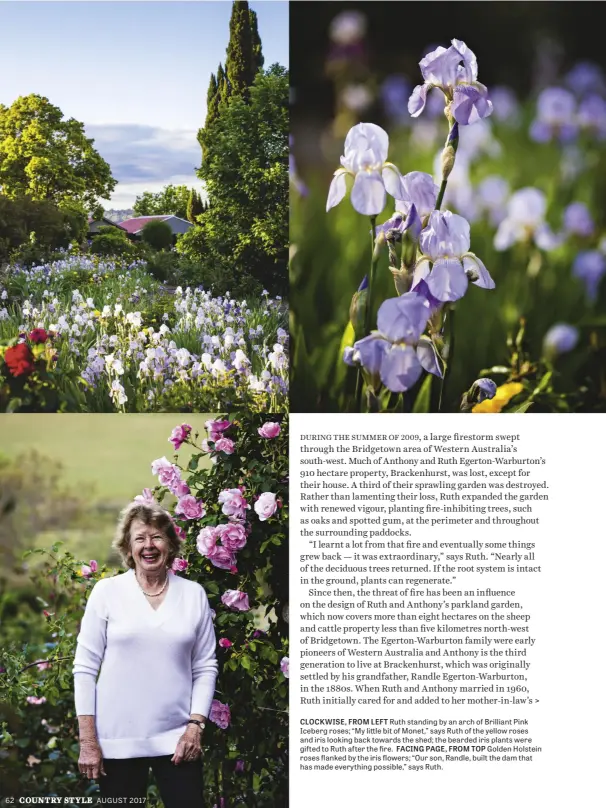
(42, 665)
(232, 535)
(284, 666)
(266, 505)
(206, 447)
(146, 496)
(180, 488)
(190, 508)
(222, 558)
(225, 643)
(86, 571)
(167, 473)
(215, 428)
(179, 564)
(234, 503)
(236, 600)
(179, 435)
(35, 700)
(207, 541)
(270, 429)
(224, 445)
(181, 534)
(220, 714)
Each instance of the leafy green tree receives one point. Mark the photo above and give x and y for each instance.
(157, 234)
(45, 157)
(240, 61)
(195, 206)
(170, 201)
(39, 225)
(257, 53)
(246, 176)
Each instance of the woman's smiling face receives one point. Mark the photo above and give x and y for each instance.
(149, 547)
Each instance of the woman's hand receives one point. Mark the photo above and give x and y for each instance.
(188, 747)
(90, 761)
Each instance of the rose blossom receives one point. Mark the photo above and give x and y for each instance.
(180, 488)
(86, 571)
(284, 663)
(146, 496)
(179, 435)
(225, 643)
(42, 665)
(266, 505)
(167, 473)
(190, 508)
(224, 445)
(38, 335)
(216, 428)
(19, 359)
(236, 600)
(219, 714)
(35, 700)
(207, 541)
(271, 429)
(179, 564)
(223, 559)
(232, 535)
(234, 503)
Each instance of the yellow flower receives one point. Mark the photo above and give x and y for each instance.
(502, 397)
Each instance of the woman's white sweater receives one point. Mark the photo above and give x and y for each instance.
(157, 666)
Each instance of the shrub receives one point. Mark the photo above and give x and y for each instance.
(112, 241)
(157, 234)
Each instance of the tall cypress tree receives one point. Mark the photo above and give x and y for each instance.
(195, 206)
(257, 52)
(239, 64)
(212, 102)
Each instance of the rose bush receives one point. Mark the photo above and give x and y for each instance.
(241, 560)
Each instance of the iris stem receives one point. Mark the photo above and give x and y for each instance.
(369, 302)
(449, 321)
(441, 193)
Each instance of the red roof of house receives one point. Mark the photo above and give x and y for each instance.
(139, 222)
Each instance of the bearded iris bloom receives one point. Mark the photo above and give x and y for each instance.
(556, 116)
(590, 267)
(525, 220)
(365, 159)
(396, 353)
(446, 265)
(455, 71)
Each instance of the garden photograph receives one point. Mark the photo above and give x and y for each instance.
(144, 207)
(102, 518)
(448, 198)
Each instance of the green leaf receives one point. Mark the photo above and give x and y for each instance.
(423, 399)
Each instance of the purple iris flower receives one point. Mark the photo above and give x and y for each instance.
(556, 116)
(578, 220)
(402, 223)
(589, 266)
(492, 195)
(505, 105)
(525, 220)
(561, 338)
(592, 116)
(395, 91)
(366, 147)
(420, 191)
(585, 78)
(483, 389)
(397, 352)
(446, 265)
(455, 71)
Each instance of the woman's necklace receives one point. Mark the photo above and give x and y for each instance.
(154, 594)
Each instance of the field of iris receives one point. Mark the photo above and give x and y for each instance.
(83, 334)
(497, 224)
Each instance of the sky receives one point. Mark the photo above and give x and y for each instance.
(135, 73)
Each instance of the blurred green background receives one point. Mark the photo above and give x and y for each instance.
(526, 46)
(66, 478)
